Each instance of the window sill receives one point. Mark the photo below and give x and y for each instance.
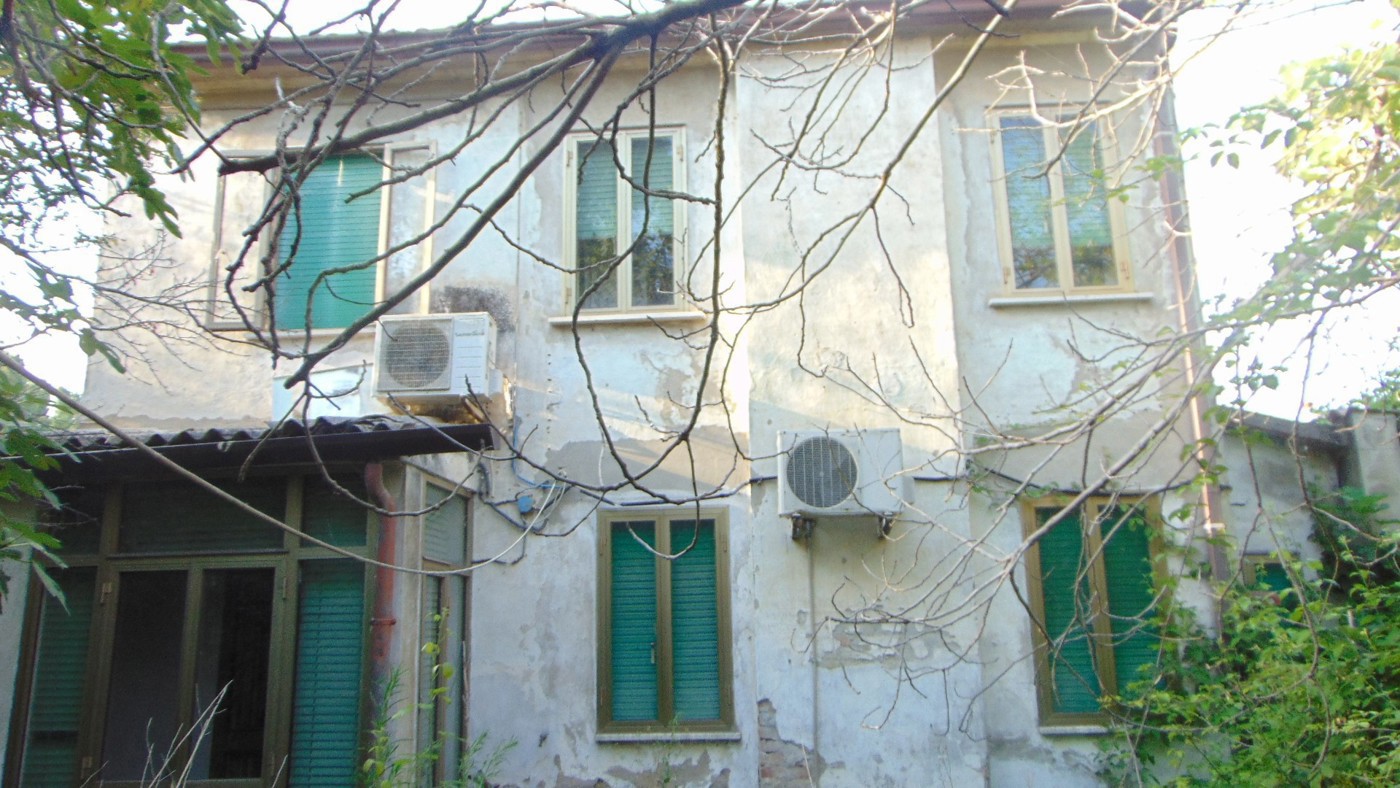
(1067, 299)
(626, 318)
(1073, 730)
(642, 737)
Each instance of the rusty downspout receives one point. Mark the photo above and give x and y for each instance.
(1188, 316)
(382, 622)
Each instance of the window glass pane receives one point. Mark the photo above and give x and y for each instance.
(1086, 208)
(595, 220)
(167, 517)
(1028, 204)
(56, 704)
(1065, 591)
(334, 233)
(330, 657)
(633, 614)
(143, 697)
(235, 634)
(653, 222)
(1128, 571)
(695, 622)
(330, 516)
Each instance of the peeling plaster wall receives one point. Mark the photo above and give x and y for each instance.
(1265, 496)
(900, 321)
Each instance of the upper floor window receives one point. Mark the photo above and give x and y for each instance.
(624, 229)
(335, 229)
(1092, 600)
(664, 651)
(1059, 229)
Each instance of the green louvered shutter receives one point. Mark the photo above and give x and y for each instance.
(595, 220)
(445, 528)
(695, 623)
(332, 517)
(334, 234)
(1127, 560)
(633, 611)
(329, 667)
(1272, 576)
(165, 517)
(51, 750)
(1068, 623)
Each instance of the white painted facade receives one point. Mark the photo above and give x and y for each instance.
(914, 329)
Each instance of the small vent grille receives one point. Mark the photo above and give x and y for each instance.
(419, 354)
(821, 472)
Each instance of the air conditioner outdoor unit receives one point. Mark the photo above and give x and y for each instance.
(424, 358)
(842, 473)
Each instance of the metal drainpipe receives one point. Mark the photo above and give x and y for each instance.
(1188, 322)
(383, 621)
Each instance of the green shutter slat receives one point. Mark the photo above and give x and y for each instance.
(1127, 560)
(334, 233)
(168, 517)
(595, 218)
(695, 623)
(55, 710)
(1028, 203)
(329, 662)
(1065, 592)
(633, 611)
(332, 517)
(445, 528)
(1272, 576)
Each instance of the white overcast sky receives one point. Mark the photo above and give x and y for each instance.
(1238, 216)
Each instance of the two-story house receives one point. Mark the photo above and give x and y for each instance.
(805, 405)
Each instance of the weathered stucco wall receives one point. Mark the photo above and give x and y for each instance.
(898, 329)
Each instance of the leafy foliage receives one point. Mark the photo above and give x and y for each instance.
(94, 98)
(24, 411)
(1337, 129)
(1290, 694)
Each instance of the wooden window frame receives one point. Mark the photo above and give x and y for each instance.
(1064, 262)
(109, 563)
(260, 306)
(1102, 634)
(624, 231)
(724, 727)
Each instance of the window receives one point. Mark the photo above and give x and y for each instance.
(442, 691)
(1059, 229)
(664, 652)
(1092, 602)
(334, 229)
(178, 603)
(624, 233)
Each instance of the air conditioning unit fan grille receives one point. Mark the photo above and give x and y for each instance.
(420, 354)
(821, 472)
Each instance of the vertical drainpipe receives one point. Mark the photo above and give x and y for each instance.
(1188, 316)
(382, 621)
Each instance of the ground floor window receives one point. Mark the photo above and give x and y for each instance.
(664, 639)
(1093, 601)
(195, 639)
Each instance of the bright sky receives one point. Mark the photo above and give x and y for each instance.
(1238, 216)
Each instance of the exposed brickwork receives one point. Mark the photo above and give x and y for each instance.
(781, 762)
